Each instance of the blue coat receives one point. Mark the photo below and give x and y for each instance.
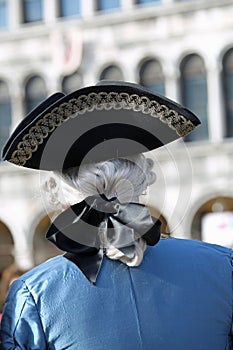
(179, 298)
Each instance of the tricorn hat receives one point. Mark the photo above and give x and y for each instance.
(109, 120)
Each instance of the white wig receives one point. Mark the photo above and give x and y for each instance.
(126, 179)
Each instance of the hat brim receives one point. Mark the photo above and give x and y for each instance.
(108, 120)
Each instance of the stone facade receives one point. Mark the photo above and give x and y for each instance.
(189, 175)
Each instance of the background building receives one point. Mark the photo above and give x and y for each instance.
(183, 49)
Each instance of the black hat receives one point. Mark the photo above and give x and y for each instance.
(96, 123)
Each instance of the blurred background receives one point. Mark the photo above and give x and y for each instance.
(180, 48)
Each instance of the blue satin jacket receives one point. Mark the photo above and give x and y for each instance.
(179, 298)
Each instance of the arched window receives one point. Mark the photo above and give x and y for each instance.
(228, 90)
(164, 225)
(194, 93)
(71, 83)
(106, 5)
(151, 76)
(43, 249)
(5, 113)
(68, 8)
(6, 247)
(32, 10)
(35, 93)
(112, 73)
(6, 260)
(213, 221)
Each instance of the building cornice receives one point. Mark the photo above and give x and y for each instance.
(114, 18)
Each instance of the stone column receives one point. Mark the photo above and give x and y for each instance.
(216, 119)
(17, 101)
(50, 11)
(127, 4)
(15, 12)
(87, 8)
(171, 76)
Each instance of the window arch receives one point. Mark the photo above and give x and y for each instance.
(5, 113)
(194, 93)
(151, 76)
(6, 247)
(112, 72)
(164, 225)
(72, 82)
(6, 261)
(43, 249)
(212, 221)
(35, 90)
(228, 90)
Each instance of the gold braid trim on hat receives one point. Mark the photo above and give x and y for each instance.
(89, 103)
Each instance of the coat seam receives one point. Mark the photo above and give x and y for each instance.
(134, 301)
(31, 295)
(231, 328)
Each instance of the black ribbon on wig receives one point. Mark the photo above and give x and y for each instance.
(88, 228)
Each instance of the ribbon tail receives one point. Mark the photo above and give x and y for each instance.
(152, 236)
(137, 217)
(89, 265)
(121, 237)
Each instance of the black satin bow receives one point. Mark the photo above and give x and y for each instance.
(87, 228)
